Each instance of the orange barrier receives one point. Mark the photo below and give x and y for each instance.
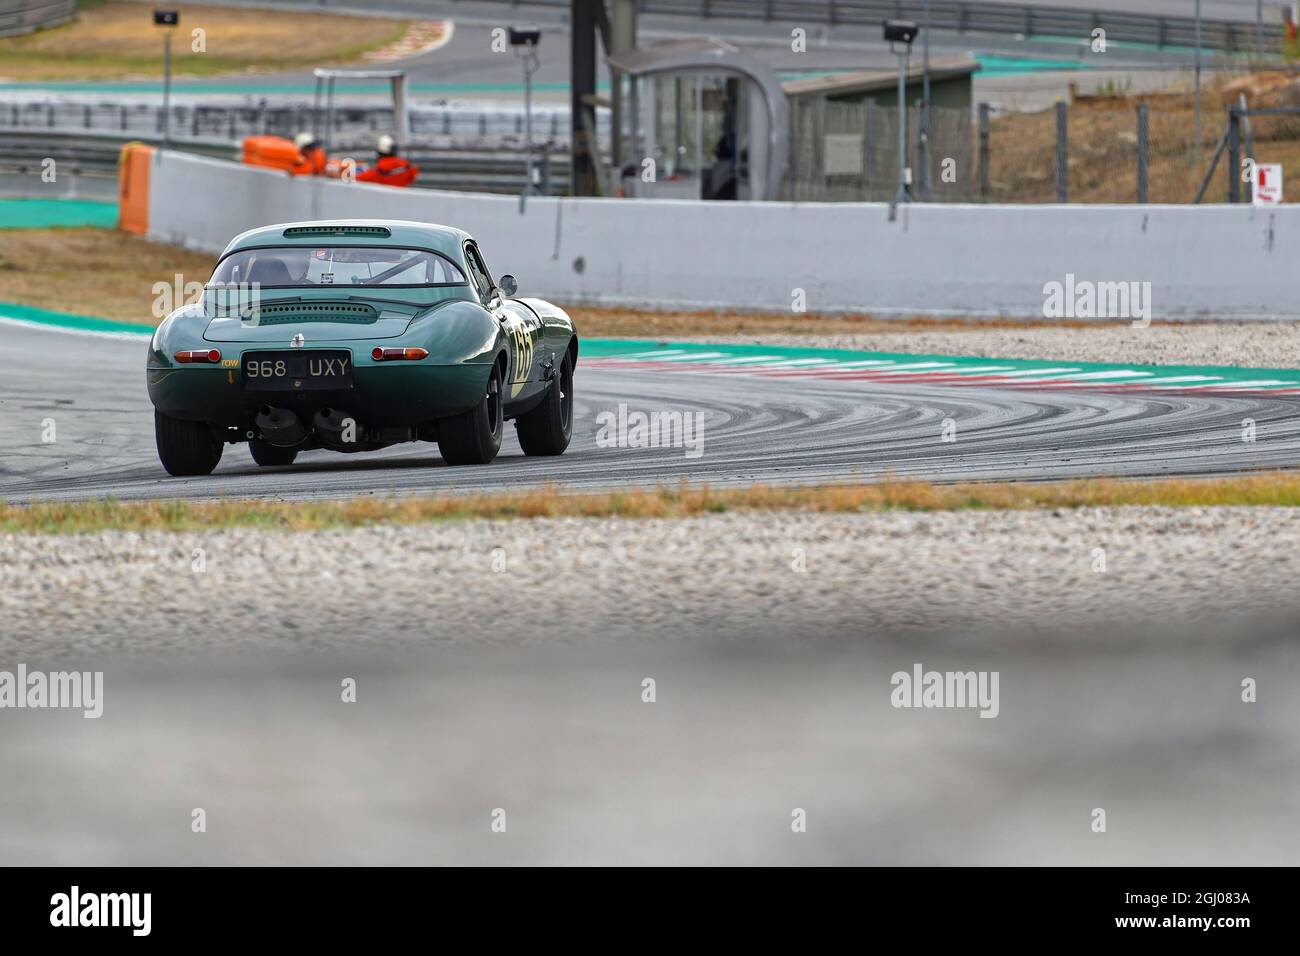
(133, 188)
(272, 152)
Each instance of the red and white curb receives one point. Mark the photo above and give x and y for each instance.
(1082, 377)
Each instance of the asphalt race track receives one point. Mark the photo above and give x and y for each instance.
(767, 430)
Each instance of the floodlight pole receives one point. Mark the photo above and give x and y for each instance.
(903, 195)
(528, 123)
(167, 89)
(924, 118)
(530, 66)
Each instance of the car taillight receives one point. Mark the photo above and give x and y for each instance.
(189, 356)
(398, 355)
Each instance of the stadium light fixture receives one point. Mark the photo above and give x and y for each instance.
(900, 35)
(525, 40)
(167, 21)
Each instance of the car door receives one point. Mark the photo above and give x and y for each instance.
(523, 329)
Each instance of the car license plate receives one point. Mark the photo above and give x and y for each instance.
(296, 371)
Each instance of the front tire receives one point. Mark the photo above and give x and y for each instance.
(546, 429)
(185, 448)
(268, 455)
(474, 437)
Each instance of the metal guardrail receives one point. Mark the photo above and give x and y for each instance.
(95, 154)
(489, 171)
(84, 153)
(962, 16)
(235, 122)
(24, 16)
(969, 17)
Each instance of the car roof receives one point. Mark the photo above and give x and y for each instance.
(445, 239)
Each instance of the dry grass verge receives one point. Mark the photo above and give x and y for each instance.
(112, 40)
(1276, 489)
(98, 272)
(606, 322)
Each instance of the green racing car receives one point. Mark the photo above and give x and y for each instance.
(352, 336)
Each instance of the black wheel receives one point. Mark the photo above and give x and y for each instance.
(185, 448)
(474, 437)
(546, 429)
(264, 453)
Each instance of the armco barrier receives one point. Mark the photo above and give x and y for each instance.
(24, 16)
(1027, 19)
(1201, 261)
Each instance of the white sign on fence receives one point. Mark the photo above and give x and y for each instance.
(1267, 187)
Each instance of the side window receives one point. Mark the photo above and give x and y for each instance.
(479, 271)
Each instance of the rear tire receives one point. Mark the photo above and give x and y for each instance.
(185, 448)
(474, 437)
(546, 429)
(267, 455)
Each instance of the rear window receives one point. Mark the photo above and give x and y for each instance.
(296, 266)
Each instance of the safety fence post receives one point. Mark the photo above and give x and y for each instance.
(1062, 152)
(1142, 153)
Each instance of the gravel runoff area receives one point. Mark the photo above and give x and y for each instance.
(523, 692)
(1249, 345)
(728, 575)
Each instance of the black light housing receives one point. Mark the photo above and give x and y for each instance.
(901, 31)
(525, 36)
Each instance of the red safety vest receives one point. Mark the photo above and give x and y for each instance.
(311, 163)
(391, 171)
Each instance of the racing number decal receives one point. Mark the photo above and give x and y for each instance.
(523, 334)
(523, 352)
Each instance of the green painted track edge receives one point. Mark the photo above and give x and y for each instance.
(616, 348)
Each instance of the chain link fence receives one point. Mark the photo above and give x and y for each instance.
(1017, 156)
(848, 152)
(1098, 150)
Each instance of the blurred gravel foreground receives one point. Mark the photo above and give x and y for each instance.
(715, 690)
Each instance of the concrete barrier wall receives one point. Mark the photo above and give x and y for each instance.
(1206, 261)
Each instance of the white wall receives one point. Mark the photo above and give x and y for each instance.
(1202, 261)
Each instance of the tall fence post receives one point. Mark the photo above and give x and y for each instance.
(984, 151)
(923, 148)
(868, 145)
(819, 147)
(1062, 152)
(1234, 155)
(1249, 143)
(796, 130)
(1142, 148)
